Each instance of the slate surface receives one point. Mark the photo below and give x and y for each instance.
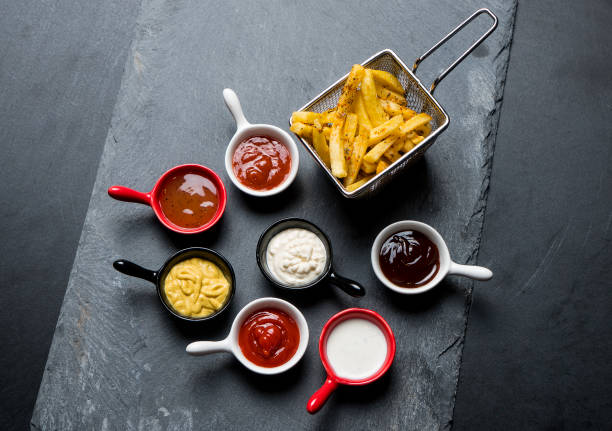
(61, 64)
(117, 360)
(539, 340)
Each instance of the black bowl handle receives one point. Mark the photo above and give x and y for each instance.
(349, 286)
(130, 268)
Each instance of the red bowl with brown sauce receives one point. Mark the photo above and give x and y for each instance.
(186, 199)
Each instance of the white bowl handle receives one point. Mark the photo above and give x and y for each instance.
(199, 348)
(233, 104)
(472, 271)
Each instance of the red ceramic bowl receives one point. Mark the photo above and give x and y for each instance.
(152, 198)
(333, 380)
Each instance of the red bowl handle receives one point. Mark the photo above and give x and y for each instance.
(129, 195)
(320, 397)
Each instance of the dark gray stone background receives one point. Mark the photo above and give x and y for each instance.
(117, 360)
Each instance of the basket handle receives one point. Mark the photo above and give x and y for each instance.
(442, 75)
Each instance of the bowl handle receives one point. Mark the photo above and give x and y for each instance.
(233, 104)
(130, 268)
(320, 397)
(349, 286)
(200, 348)
(126, 194)
(472, 271)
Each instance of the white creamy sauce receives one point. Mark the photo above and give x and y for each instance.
(295, 256)
(356, 349)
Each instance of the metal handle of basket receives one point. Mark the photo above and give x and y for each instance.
(442, 75)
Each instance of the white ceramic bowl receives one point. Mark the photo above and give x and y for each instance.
(230, 344)
(447, 266)
(244, 130)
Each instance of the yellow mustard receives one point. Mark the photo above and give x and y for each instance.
(196, 287)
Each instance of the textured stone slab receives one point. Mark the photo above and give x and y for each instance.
(117, 360)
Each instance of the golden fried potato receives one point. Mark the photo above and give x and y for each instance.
(386, 94)
(348, 137)
(336, 149)
(381, 166)
(388, 80)
(345, 103)
(376, 153)
(360, 110)
(301, 129)
(387, 128)
(393, 153)
(320, 145)
(359, 183)
(359, 149)
(304, 117)
(367, 167)
(416, 121)
(376, 113)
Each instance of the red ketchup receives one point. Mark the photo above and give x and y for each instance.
(261, 162)
(269, 338)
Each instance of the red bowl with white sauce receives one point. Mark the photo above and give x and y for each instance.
(357, 347)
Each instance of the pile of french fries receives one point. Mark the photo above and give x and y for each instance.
(369, 129)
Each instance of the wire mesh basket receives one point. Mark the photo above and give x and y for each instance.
(418, 98)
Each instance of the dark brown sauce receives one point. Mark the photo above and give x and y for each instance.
(189, 200)
(409, 259)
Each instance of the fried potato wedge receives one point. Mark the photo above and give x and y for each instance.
(359, 149)
(415, 122)
(379, 149)
(301, 129)
(387, 128)
(336, 149)
(388, 80)
(376, 113)
(360, 110)
(320, 145)
(349, 91)
(381, 166)
(359, 183)
(304, 117)
(386, 94)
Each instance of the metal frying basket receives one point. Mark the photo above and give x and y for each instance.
(417, 96)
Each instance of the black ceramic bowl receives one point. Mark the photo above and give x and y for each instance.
(349, 286)
(158, 277)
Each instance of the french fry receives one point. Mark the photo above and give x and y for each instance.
(376, 153)
(301, 129)
(336, 149)
(424, 130)
(381, 166)
(349, 90)
(348, 137)
(408, 113)
(416, 121)
(320, 145)
(327, 117)
(359, 183)
(387, 128)
(367, 167)
(360, 110)
(408, 145)
(359, 149)
(376, 113)
(387, 79)
(304, 117)
(391, 107)
(393, 153)
(327, 132)
(386, 94)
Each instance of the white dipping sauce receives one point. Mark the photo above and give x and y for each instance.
(356, 349)
(296, 257)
